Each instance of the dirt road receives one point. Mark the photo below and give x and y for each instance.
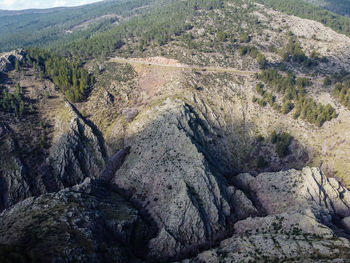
(133, 61)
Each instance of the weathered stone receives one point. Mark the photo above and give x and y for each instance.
(129, 114)
(8, 60)
(168, 173)
(89, 222)
(14, 185)
(76, 152)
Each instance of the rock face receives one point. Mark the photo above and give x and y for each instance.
(86, 223)
(14, 184)
(302, 208)
(76, 152)
(168, 173)
(299, 190)
(8, 60)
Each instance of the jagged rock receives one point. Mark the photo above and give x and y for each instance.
(168, 173)
(286, 237)
(3, 131)
(89, 222)
(300, 207)
(108, 97)
(129, 114)
(8, 60)
(14, 185)
(294, 190)
(76, 152)
(346, 223)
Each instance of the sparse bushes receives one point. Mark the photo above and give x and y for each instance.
(261, 162)
(294, 94)
(293, 52)
(267, 96)
(282, 142)
(244, 38)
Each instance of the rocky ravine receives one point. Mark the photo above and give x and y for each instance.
(179, 202)
(75, 154)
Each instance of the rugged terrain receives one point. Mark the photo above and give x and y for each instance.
(169, 157)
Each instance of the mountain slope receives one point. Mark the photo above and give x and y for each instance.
(61, 25)
(341, 7)
(191, 141)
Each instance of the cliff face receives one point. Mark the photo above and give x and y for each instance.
(168, 172)
(75, 154)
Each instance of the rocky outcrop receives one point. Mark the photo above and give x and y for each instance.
(287, 237)
(303, 208)
(297, 191)
(76, 152)
(8, 60)
(14, 185)
(168, 173)
(89, 222)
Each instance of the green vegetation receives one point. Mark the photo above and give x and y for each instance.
(305, 10)
(69, 76)
(293, 52)
(57, 27)
(261, 162)
(342, 92)
(294, 96)
(157, 27)
(282, 142)
(341, 7)
(13, 103)
(266, 96)
(254, 53)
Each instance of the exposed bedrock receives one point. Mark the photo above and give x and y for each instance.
(168, 173)
(89, 222)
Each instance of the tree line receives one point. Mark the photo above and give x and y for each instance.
(71, 78)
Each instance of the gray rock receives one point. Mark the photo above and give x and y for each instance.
(168, 174)
(300, 206)
(86, 223)
(287, 237)
(294, 190)
(14, 185)
(129, 114)
(76, 152)
(8, 60)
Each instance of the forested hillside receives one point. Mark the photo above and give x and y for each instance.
(341, 7)
(52, 27)
(305, 10)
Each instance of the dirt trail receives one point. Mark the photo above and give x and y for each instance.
(153, 63)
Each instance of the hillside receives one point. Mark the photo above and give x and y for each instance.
(56, 26)
(185, 131)
(341, 7)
